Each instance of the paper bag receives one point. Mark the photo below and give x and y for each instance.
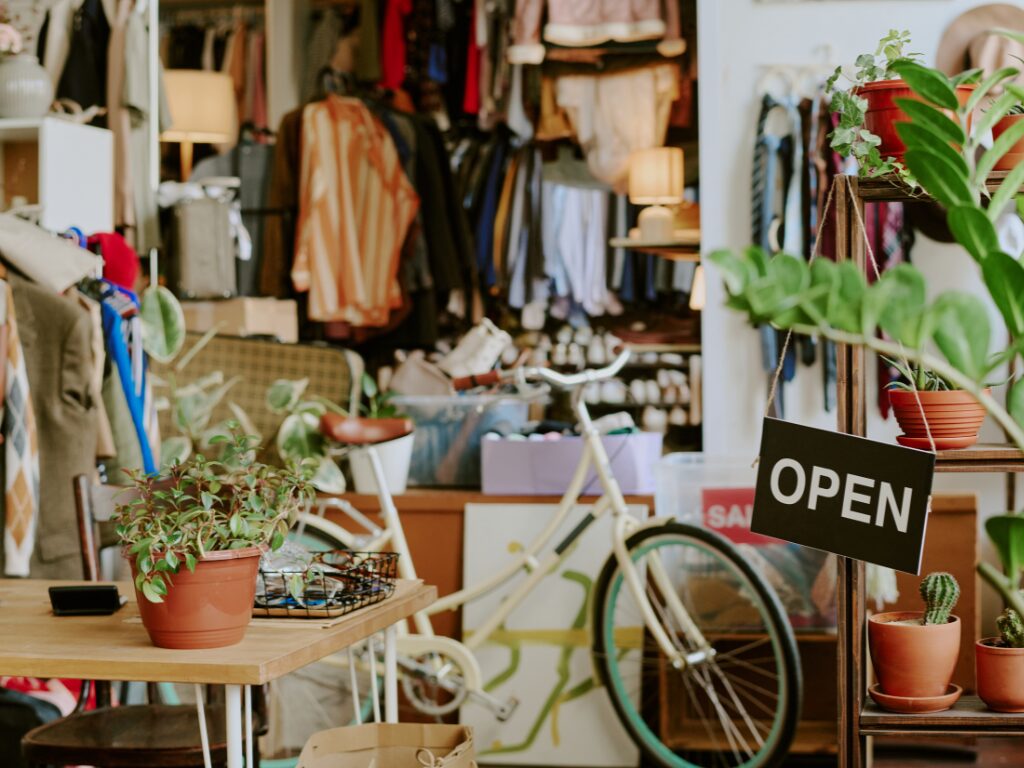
(405, 745)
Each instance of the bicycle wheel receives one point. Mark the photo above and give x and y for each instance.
(739, 707)
(316, 534)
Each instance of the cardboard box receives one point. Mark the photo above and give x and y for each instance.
(245, 316)
(545, 467)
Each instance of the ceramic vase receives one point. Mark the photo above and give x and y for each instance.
(26, 90)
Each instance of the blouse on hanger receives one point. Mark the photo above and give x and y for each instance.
(355, 207)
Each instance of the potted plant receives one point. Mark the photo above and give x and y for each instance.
(194, 537)
(930, 410)
(1000, 665)
(395, 455)
(1012, 127)
(1000, 661)
(914, 652)
(869, 109)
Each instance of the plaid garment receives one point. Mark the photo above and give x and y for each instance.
(21, 448)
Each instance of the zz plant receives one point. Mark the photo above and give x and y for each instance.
(203, 506)
(949, 336)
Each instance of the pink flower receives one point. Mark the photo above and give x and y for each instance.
(10, 39)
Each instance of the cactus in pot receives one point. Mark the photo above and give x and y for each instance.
(1011, 628)
(940, 591)
(915, 652)
(999, 661)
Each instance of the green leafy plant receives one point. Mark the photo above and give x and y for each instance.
(378, 404)
(850, 138)
(916, 377)
(299, 437)
(1011, 628)
(940, 591)
(202, 506)
(1006, 532)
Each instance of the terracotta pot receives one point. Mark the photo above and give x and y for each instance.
(1015, 156)
(951, 415)
(883, 113)
(913, 659)
(209, 608)
(1000, 676)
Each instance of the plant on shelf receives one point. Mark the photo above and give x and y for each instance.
(1000, 660)
(194, 537)
(914, 652)
(378, 404)
(299, 437)
(951, 335)
(395, 455)
(865, 107)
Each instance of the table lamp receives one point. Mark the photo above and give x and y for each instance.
(203, 110)
(656, 180)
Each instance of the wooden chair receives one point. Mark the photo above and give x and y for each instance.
(154, 735)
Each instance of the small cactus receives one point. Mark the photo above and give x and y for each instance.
(1011, 627)
(940, 592)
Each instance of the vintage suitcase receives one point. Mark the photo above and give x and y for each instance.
(203, 257)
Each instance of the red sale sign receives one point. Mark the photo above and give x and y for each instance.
(728, 511)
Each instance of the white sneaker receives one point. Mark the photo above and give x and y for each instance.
(595, 352)
(654, 420)
(613, 391)
(653, 391)
(638, 391)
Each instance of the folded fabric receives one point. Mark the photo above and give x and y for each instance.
(48, 261)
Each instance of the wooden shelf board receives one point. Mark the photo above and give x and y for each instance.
(813, 737)
(968, 716)
(983, 457)
(889, 188)
(685, 248)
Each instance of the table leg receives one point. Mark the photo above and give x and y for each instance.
(390, 674)
(233, 705)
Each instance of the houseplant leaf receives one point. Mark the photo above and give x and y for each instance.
(174, 450)
(844, 306)
(328, 477)
(283, 395)
(1007, 535)
(1007, 192)
(1000, 147)
(941, 179)
(936, 121)
(962, 332)
(927, 83)
(898, 299)
(973, 230)
(163, 323)
(299, 437)
(1015, 401)
(1004, 276)
(987, 85)
(995, 112)
(916, 136)
(735, 270)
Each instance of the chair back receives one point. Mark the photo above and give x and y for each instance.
(94, 506)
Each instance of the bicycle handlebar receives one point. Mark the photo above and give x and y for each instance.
(546, 375)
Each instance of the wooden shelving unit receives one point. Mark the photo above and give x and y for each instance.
(859, 717)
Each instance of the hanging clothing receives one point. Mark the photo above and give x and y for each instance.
(84, 79)
(355, 208)
(572, 23)
(282, 197)
(323, 38)
(603, 111)
(392, 43)
(119, 119)
(120, 261)
(21, 447)
(56, 339)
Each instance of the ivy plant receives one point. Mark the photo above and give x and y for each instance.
(171, 521)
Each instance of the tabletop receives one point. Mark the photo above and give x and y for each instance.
(35, 643)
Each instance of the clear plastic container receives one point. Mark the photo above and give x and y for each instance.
(449, 429)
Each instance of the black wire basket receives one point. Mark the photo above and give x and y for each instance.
(333, 584)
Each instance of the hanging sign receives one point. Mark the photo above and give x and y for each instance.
(843, 494)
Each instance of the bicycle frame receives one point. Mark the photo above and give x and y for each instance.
(536, 568)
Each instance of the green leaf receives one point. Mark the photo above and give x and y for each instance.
(1004, 276)
(987, 85)
(369, 386)
(328, 477)
(844, 306)
(736, 273)
(897, 300)
(299, 437)
(1006, 193)
(929, 84)
(208, 500)
(150, 593)
(916, 136)
(967, 77)
(144, 563)
(190, 562)
(172, 560)
(235, 525)
(934, 120)
(163, 323)
(174, 450)
(1015, 401)
(973, 230)
(1000, 147)
(284, 395)
(962, 332)
(941, 179)
(277, 541)
(996, 111)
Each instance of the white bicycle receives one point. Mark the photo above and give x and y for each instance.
(680, 624)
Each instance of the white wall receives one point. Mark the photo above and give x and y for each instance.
(738, 38)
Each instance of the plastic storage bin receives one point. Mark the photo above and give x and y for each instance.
(718, 494)
(449, 429)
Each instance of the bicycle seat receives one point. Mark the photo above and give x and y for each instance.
(358, 431)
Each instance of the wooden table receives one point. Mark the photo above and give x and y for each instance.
(35, 643)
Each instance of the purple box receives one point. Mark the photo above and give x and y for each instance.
(545, 467)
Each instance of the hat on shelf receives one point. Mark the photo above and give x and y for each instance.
(967, 41)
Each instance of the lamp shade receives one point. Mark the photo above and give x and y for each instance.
(656, 176)
(202, 105)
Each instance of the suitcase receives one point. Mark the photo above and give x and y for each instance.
(203, 261)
